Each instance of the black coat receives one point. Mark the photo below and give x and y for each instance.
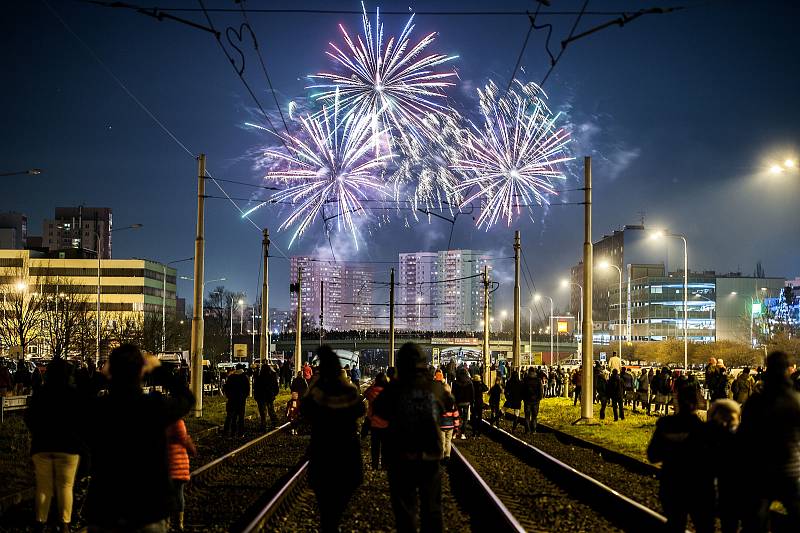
(53, 418)
(126, 434)
(513, 393)
(237, 387)
(532, 390)
(464, 391)
(265, 385)
(614, 387)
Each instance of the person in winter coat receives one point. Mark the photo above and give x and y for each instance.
(513, 395)
(772, 416)
(126, 431)
(6, 382)
(307, 371)
(377, 425)
(355, 376)
(265, 389)
(333, 406)
(180, 447)
(299, 384)
(413, 406)
(615, 392)
(464, 393)
(22, 379)
(476, 407)
(293, 411)
(627, 386)
(743, 386)
(577, 384)
(719, 386)
(601, 386)
(236, 390)
(532, 393)
(449, 423)
(723, 420)
(643, 391)
(680, 444)
(52, 418)
(495, 393)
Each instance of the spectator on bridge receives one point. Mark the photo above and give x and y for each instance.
(52, 418)
(127, 435)
(413, 406)
(476, 407)
(615, 392)
(464, 393)
(376, 425)
(333, 406)
(532, 393)
(771, 418)
(236, 390)
(513, 397)
(723, 419)
(495, 393)
(265, 389)
(680, 444)
(743, 386)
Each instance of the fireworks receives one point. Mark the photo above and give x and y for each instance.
(392, 83)
(331, 162)
(510, 163)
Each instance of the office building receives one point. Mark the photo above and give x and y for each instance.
(337, 295)
(13, 231)
(128, 287)
(77, 231)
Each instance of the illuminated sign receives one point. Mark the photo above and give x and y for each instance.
(756, 309)
(562, 326)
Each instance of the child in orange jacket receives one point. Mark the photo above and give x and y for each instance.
(179, 447)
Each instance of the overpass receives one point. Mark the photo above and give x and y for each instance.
(497, 346)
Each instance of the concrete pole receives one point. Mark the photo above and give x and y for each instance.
(198, 330)
(487, 354)
(263, 342)
(516, 356)
(321, 308)
(686, 306)
(298, 341)
(588, 266)
(164, 312)
(391, 317)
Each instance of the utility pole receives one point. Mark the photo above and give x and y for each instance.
(298, 341)
(487, 354)
(391, 317)
(321, 308)
(197, 308)
(264, 345)
(588, 269)
(516, 356)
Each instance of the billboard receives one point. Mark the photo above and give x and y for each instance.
(562, 326)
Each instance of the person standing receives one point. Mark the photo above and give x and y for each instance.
(680, 444)
(377, 425)
(615, 391)
(180, 448)
(126, 431)
(772, 415)
(577, 384)
(333, 406)
(236, 390)
(464, 393)
(355, 377)
(643, 391)
(413, 406)
(743, 386)
(532, 393)
(495, 393)
(601, 386)
(479, 388)
(52, 418)
(265, 389)
(723, 420)
(514, 396)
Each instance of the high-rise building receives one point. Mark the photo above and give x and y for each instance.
(77, 231)
(441, 290)
(13, 231)
(337, 294)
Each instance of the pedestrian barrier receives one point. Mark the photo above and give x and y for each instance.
(12, 403)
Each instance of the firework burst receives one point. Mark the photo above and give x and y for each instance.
(390, 82)
(330, 162)
(510, 163)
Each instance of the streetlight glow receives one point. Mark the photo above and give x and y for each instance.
(775, 169)
(789, 163)
(21, 286)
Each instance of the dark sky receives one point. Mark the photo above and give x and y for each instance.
(682, 112)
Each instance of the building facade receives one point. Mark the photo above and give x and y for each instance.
(127, 286)
(77, 231)
(13, 231)
(334, 294)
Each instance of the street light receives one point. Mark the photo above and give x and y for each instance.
(536, 298)
(657, 235)
(566, 283)
(99, 264)
(29, 172)
(605, 264)
(503, 315)
(240, 302)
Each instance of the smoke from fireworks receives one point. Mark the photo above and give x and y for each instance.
(392, 83)
(331, 162)
(511, 161)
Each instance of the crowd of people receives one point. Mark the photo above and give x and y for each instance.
(411, 414)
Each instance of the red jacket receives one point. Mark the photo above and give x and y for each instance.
(179, 446)
(375, 421)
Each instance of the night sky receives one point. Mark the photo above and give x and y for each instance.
(683, 113)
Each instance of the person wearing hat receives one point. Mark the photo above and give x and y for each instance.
(236, 390)
(413, 405)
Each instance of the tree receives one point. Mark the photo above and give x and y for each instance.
(22, 310)
(63, 313)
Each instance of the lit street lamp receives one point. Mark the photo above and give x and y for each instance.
(606, 264)
(29, 172)
(657, 235)
(503, 315)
